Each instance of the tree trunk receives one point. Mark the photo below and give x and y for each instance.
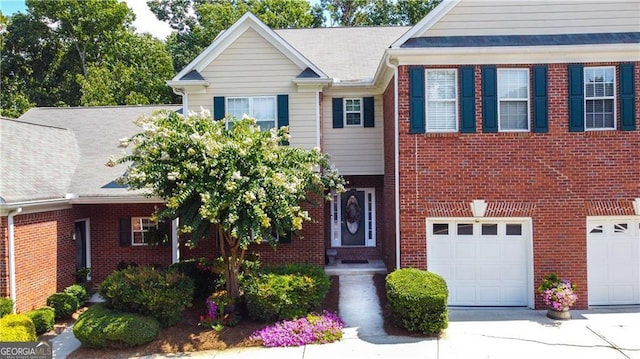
(232, 256)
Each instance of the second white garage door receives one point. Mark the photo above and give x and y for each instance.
(484, 264)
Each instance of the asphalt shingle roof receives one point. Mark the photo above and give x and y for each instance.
(345, 53)
(50, 152)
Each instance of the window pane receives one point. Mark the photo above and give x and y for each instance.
(465, 229)
(513, 115)
(264, 108)
(513, 83)
(599, 114)
(238, 107)
(489, 229)
(353, 118)
(440, 228)
(138, 238)
(352, 104)
(135, 224)
(514, 229)
(441, 86)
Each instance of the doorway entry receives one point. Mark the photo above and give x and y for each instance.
(83, 245)
(353, 216)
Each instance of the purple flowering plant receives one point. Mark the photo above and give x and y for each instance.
(313, 329)
(557, 294)
(216, 316)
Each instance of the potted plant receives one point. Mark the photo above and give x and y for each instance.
(558, 295)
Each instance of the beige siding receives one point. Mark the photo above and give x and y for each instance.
(353, 150)
(251, 66)
(525, 17)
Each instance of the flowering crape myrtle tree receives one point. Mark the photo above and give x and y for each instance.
(226, 177)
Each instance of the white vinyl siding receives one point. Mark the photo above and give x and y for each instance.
(252, 67)
(354, 150)
(441, 100)
(599, 98)
(513, 100)
(493, 17)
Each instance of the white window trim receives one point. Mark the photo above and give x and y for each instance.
(345, 112)
(141, 230)
(507, 99)
(454, 100)
(336, 215)
(250, 114)
(613, 97)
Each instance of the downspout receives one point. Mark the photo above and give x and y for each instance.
(12, 256)
(396, 155)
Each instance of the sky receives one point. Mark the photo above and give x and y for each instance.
(145, 20)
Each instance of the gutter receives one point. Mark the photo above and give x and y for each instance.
(396, 160)
(12, 256)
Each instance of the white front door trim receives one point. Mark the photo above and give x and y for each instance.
(527, 235)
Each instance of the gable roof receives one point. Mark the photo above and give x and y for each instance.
(53, 152)
(226, 38)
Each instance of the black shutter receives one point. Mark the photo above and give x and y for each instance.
(416, 100)
(489, 99)
(627, 98)
(576, 98)
(540, 99)
(283, 110)
(125, 231)
(338, 117)
(467, 100)
(218, 108)
(368, 112)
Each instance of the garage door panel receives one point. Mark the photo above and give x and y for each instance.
(483, 270)
(613, 262)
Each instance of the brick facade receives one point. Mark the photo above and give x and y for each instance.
(555, 173)
(45, 256)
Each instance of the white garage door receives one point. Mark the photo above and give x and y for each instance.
(613, 261)
(484, 264)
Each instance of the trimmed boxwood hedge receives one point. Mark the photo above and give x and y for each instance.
(99, 327)
(63, 304)
(162, 294)
(417, 300)
(79, 291)
(6, 305)
(17, 328)
(43, 319)
(285, 292)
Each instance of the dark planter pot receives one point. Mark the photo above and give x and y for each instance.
(564, 314)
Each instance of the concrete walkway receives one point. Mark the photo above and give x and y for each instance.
(605, 333)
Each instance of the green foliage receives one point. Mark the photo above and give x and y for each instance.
(79, 291)
(6, 305)
(205, 280)
(418, 300)
(286, 292)
(17, 328)
(100, 327)
(162, 294)
(43, 319)
(63, 304)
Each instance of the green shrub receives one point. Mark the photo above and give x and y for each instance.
(162, 294)
(63, 304)
(418, 300)
(43, 319)
(17, 328)
(6, 306)
(79, 291)
(99, 327)
(286, 292)
(205, 280)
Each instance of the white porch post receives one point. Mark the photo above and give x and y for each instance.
(175, 245)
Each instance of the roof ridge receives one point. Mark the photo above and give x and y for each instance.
(37, 124)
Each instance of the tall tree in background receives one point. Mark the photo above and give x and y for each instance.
(74, 52)
(376, 12)
(198, 22)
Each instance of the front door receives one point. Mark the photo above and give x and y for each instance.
(81, 244)
(353, 218)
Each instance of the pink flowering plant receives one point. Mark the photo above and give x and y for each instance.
(558, 294)
(313, 329)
